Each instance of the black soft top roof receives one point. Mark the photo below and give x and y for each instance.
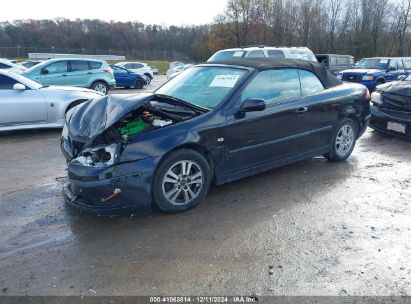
(261, 64)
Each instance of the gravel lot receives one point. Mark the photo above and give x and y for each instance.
(311, 228)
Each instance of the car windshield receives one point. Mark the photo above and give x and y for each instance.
(226, 55)
(204, 86)
(375, 63)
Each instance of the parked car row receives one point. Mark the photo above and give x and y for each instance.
(86, 73)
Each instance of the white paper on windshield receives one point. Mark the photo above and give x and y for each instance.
(225, 81)
(238, 54)
(384, 61)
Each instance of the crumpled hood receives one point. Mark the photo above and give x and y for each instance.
(70, 89)
(362, 71)
(88, 120)
(397, 94)
(397, 87)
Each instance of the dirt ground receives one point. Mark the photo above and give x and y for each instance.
(311, 228)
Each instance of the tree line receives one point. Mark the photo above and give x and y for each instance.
(357, 27)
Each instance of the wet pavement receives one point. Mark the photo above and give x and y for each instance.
(311, 228)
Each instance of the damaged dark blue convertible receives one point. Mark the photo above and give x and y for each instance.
(214, 123)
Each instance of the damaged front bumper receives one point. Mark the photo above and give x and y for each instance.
(392, 122)
(115, 190)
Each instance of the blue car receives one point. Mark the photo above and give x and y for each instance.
(127, 79)
(378, 70)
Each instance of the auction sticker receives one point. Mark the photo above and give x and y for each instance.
(225, 81)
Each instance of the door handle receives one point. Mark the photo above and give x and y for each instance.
(301, 110)
(89, 73)
(64, 75)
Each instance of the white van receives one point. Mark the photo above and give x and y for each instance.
(265, 51)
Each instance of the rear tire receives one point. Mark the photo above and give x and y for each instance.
(100, 86)
(343, 141)
(181, 181)
(149, 78)
(139, 84)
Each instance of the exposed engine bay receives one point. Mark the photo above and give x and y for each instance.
(107, 147)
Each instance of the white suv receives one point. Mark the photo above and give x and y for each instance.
(138, 67)
(265, 52)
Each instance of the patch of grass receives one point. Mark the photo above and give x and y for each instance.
(162, 66)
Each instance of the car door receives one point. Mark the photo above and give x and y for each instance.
(291, 125)
(78, 73)
(393, 72)
(255, 138)
(55, 73)
(122, 77)
(401, 68)
(20, 106)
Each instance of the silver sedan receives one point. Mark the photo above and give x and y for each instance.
(26, 104)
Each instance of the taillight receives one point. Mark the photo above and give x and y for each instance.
(367, 94)
(108, 71)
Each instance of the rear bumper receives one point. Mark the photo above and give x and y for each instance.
(364, 125)
(379, 122)
(92, 189)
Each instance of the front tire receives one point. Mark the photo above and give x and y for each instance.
(139, 84)
(181, 181)
(100, 86)
(343, 141)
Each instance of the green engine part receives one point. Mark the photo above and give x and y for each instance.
(132, 128)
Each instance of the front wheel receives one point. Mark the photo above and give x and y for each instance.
(139, 84)
(101, 87)
(343, 141)
(181, 181)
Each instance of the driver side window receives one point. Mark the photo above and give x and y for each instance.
(274, 86)
(7, 83)
(57, 67)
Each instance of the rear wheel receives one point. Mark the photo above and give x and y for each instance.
(343, 141)
(101, 87)
(139, 84)
(181, 181)
(149, 78)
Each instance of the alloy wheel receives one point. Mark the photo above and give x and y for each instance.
(344, 140)
(101, 88)
(183, 182)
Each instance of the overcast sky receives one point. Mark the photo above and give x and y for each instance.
(177, 12)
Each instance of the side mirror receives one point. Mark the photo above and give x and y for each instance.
(402, 77)
(253, 105)
(44, 71)
(19, 87)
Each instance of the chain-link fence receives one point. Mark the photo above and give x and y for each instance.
(22, 52)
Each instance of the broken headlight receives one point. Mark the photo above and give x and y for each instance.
(102, 156)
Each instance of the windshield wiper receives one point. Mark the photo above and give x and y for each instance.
(44, 86)
(197, 109)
